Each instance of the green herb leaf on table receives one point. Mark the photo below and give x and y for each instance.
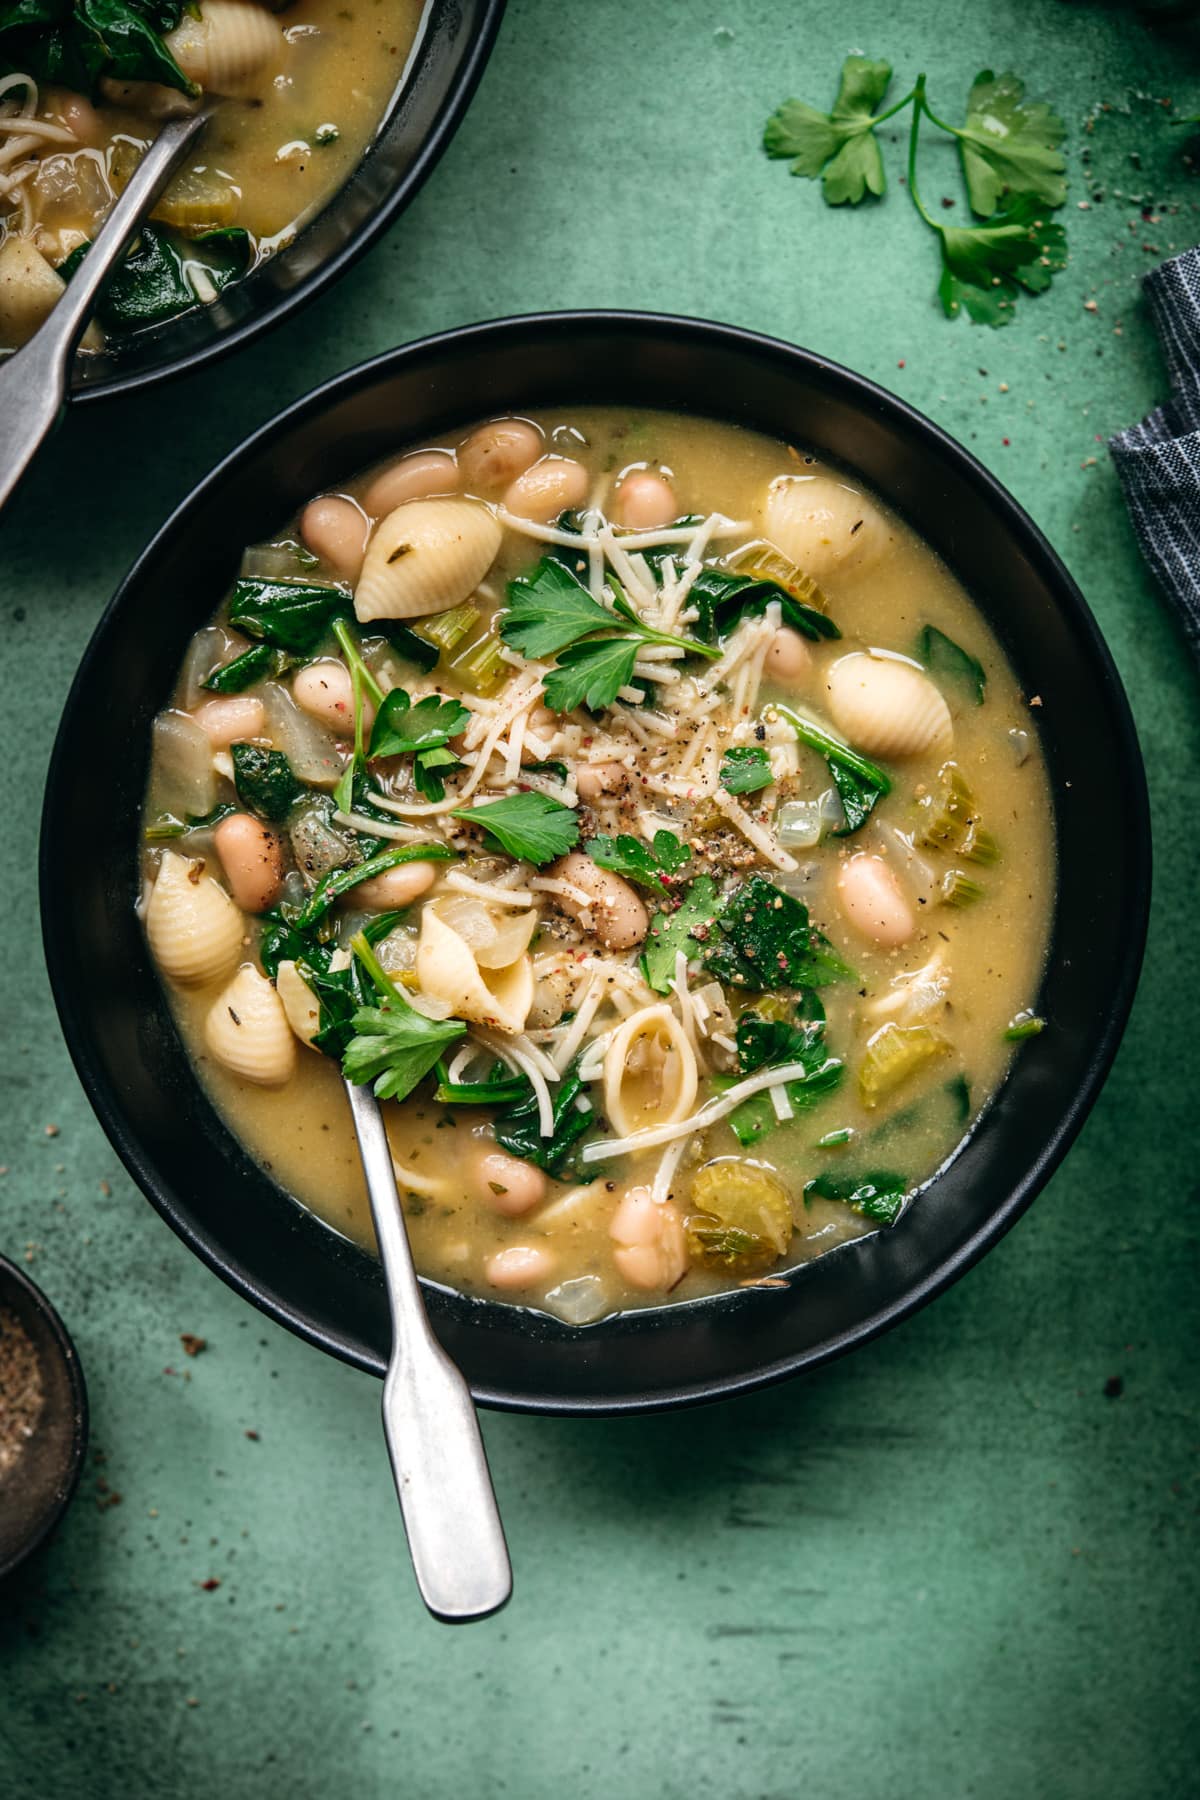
(518, 1131)
(839, 146)
(1010, 145)
(942, 656)
(745, 769)
(650, 866)
(264, 781)
(687, 928)
(983, 264)
(764, 940)
(531, 827)
(401, 728)
(290, 615)
(878, 1196)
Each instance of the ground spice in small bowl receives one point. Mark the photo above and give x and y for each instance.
(21, 1394)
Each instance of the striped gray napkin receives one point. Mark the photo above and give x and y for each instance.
(1158, 461)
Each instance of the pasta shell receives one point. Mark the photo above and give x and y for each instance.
(298, 1001)
(247, 1030)
(650, 1072)
(424, 557)
(449, 972)
(227, 45)
(494, 939)
(195, 930)
(822, 525)
(887, 708)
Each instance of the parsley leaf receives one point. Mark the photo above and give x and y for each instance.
(532, 827)
(394, 1046)
(648, 865)
(430, 768)
(765, 941)
(401, 728)
(518, 1131)
(860, 783)
(939, 652)
(685, 929)
(982, 264)
(548, 609)
(840, 146)
(1009, 145)
(745, 769)
(591, 674)
(878, 1196)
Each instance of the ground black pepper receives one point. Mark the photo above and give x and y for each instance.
(21, 1395)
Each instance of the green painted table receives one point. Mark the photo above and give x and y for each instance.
(959, 1563)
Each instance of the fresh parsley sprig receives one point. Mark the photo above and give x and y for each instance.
(394, 1047)
(1012, 164)
(531, 827)
(653, 866)
(550, 613)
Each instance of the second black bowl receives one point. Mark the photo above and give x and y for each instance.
(117, 1022)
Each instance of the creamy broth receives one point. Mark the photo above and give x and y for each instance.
(941, 942)
(295, 115)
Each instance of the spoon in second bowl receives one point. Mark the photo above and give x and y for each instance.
(33, 381)
(454, 1532)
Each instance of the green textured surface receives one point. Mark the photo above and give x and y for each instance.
(948, 1566)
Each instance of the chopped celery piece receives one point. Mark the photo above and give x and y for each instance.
(833, 1139)
(951, 821)
(1025, 1025)
(893, 1055)
(712, 1245)
(958, 889)
(743, 1198)
(763, 562)
(446, 630)
(480, 667)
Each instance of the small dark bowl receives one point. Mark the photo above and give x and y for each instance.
(35, 1492)
(446, 62)
(119, 1028)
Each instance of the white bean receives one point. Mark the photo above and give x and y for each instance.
(595, 780)
(620, 919)
(874, 902)
(520, 1266)
(551, 486)
(80, 116)
(230, 720)
(324, 691)
(498, 452)
(508, 1185)
(645, 500)
(650, 1248)
(394, 888)
(335, 529)
(252, 859)
(414, 477)
(789, 658)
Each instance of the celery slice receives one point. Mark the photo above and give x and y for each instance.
(893, 1056)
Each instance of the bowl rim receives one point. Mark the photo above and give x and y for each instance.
(12, 1273)
(476, 53)
(864, 394)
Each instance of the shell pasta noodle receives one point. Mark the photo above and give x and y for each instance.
(645, 813)
(301, 88)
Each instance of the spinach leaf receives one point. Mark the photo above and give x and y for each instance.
(859, 782)
(518, 1132)
(340, 881)
(723, 599)
(290, 615)
(686, 929)
(941, 654)
(282, 942)
(765, 941)
(878, 1196)
(264, 781)
(75, 42)
(502, 1088)
(153, 283)
(772, 1043)
(260, 663)
(411, 648)
(430, 768)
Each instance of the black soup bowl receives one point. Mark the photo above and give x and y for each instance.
(116, 1019)
(447, 58)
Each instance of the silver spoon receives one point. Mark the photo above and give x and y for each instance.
(33, 382)
(454, 1532)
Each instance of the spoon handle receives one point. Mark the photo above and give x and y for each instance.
(33, 382)
(454, 1532)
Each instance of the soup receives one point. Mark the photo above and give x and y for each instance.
(302, 90)
(646, 812)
